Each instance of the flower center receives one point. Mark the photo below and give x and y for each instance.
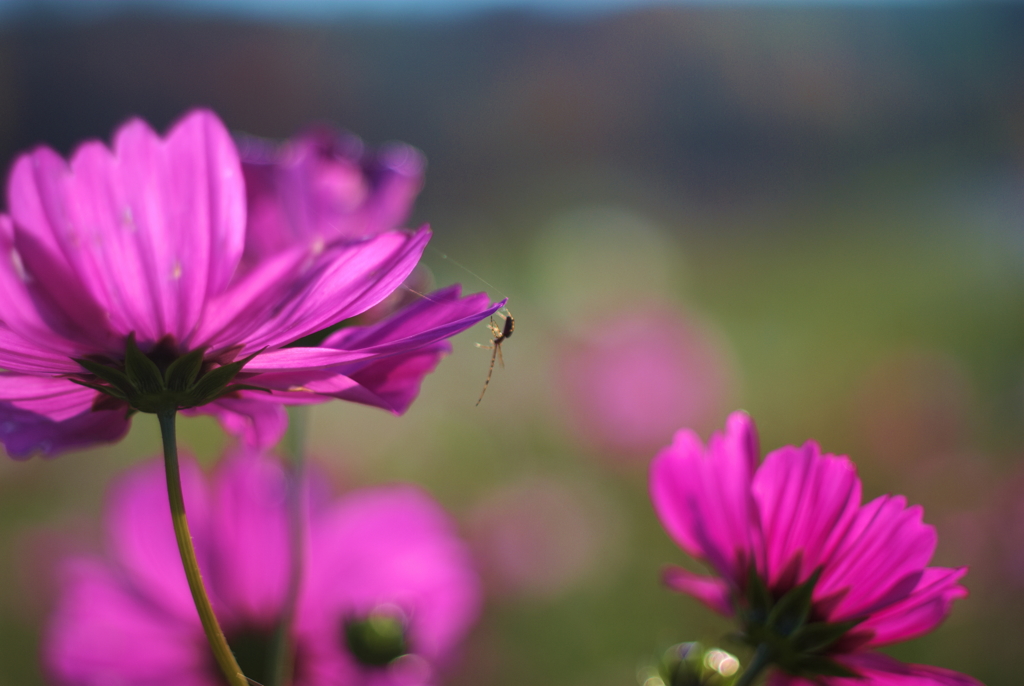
(161, 381)
(377, 639)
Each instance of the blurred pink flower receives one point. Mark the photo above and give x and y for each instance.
(815, 578)
(147, 239)
(632, 379)
(323, 186)
(387, 591)
(539, 537)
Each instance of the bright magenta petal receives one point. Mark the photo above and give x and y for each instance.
(432, 317)
(259, 420)
(806, 502)
(102, 633)
(139, 225)
(920, 612)
(19, 354)
(232, 315)
(392, 383)
(250, 527)
(321, 187)
(343, 282)
(427, 321)
(863, 566)
(703, 499)
(872, 559)
(54, 398)
(391, 546)
(141, 537)
(27, 309)
(882, 670)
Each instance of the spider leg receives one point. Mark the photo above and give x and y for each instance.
(501, 356)
(490, 371)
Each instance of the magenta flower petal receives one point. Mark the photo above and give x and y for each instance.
(235, 312)
(863, 561)
(103, 633)
(651, 369)
(45, 396)
(364, 554)
(26, 307)
(425, 322)
(391, 383)
(322, 187)
(703, 497)
(138, 224)
(806, 501)
(796, 520)
(920, 612)
(382, 365)
(141, 538)
(259, 420)
(250, 525)
(433, 317)
(25, 433)
(882, 670)
(68, 307)
(145, 239)
(709, 590)
(18, 354)
(389, 550)
(348, 280)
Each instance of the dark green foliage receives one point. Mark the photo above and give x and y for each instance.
(795, 642)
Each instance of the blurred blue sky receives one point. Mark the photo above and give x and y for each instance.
(299, 9)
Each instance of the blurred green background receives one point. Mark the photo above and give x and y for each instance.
(828, 200)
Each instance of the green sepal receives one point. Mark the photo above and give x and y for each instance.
(114, 377)
(758, 597)
(182, 373)
(819, 665)
(793, 609)
(143, 373)
(813, 638)
(231, 388)
(211, 386)
(112, 391)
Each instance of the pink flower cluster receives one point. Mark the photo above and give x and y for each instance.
(384, 559)
(151, 238)
(794, 527)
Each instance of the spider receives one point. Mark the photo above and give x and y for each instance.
(499, 337)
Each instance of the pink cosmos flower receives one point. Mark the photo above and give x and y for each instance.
(144, 242)
(324, 186)
(815, 578)
(648, 372)
(386, 596)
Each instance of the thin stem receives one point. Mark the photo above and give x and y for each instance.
(295, 442)
(214, 636)
(758, 663)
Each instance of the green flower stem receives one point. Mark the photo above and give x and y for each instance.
(761, 660)
(214, 636)
(283, 664)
